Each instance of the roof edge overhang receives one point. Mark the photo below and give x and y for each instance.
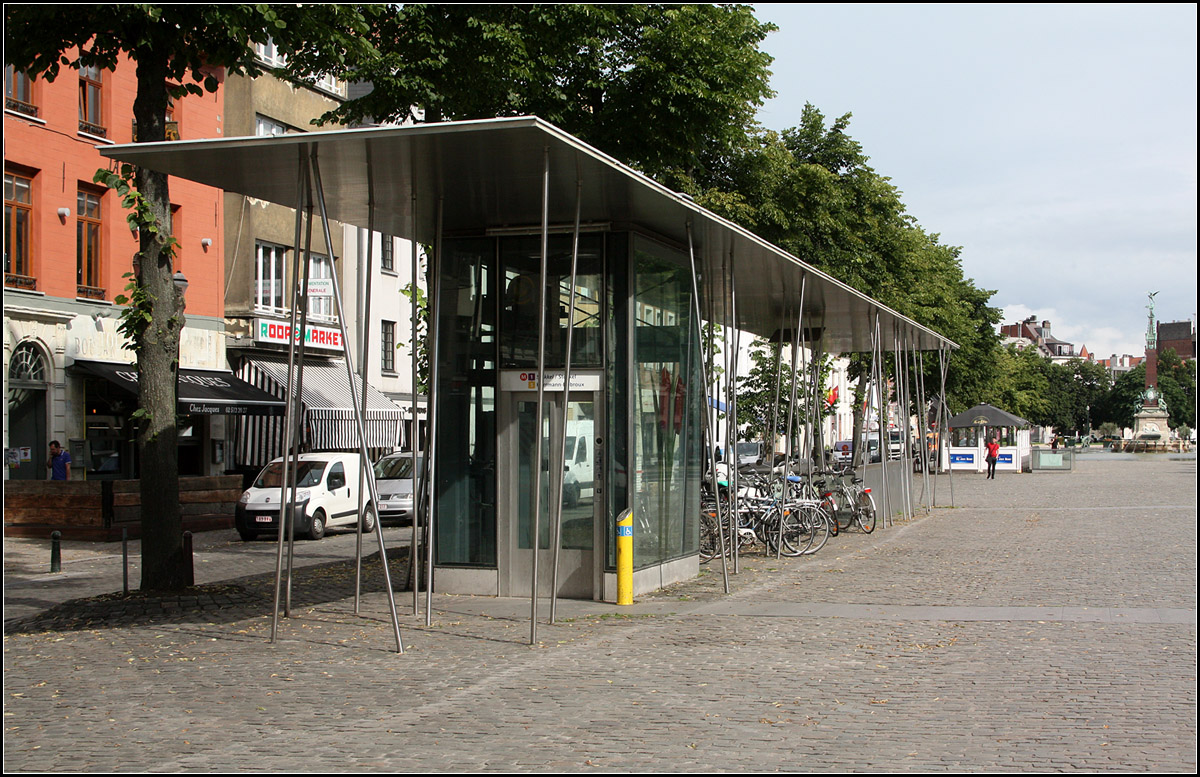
(490, 174)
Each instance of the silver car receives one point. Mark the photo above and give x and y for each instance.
(394, 481)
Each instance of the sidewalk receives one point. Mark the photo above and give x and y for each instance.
(1046, 622)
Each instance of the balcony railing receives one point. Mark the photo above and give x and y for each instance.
(13, 104)
(92, 129)
(89, 292)
(15, 281)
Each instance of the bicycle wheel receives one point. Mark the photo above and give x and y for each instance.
(820, 521)
(797, 533)
(829, 508)
(844, 512)
(864, 512)
(710, 544)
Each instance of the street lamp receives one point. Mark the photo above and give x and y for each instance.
(181, 282)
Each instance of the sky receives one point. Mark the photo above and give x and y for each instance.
(1056, 144)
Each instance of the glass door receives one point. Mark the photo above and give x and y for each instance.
(579, 477)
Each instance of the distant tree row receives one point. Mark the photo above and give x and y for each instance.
(1076, 396)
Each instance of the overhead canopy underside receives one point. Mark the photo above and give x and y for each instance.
(489, 176)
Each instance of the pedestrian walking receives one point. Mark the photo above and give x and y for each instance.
(59, 462)
(993, 453)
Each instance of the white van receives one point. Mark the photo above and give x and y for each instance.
(750, 453)
(327, 487)
(579, 462)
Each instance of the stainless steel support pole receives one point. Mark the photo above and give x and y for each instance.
(884, 455)
(414, 555)
(901, 411)
(291, 400)
(562, 429)
(945, 364)
(712, 456)
(435, 371)
(365, 334)
(536, 523)
(358, 402)
(735, 484)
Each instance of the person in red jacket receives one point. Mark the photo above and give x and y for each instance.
(993, 453)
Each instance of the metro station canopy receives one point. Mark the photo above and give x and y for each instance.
(489, 175)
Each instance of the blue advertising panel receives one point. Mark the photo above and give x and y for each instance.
(962, 458)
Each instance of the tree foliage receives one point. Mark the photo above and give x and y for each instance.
(770, 378)
(658, 86)
(1176, 384)
(178, 50)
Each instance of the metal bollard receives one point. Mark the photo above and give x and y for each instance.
(125, 558)
(55, 551)
(189, 571)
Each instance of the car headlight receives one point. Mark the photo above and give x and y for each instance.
(244, 498)
(303, 495)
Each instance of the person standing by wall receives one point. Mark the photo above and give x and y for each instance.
(993, 453)
(59, 462)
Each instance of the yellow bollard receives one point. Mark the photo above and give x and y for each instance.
(625, 557)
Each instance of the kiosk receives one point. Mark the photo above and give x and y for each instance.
(969, 432)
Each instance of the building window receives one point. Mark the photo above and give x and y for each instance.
(269, 54)
(90, 91)
(321, 308)
(332, 85)
(268, 277)
(18, 220)
(387, 342)
(18, 92)
(266, 128)
(386, 260)
(87, 245)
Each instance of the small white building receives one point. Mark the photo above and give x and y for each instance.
(970, 431)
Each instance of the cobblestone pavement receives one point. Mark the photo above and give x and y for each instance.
(1047, 622)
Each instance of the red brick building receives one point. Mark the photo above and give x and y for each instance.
(67, 249)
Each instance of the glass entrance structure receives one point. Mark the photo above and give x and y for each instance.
(507, 206)
(633, 335)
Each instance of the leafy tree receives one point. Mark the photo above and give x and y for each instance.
(1022, 386)
(1177, 382)
(757, 390)
(661, 87)
(811, 191)
(1119, 404)
(178, 50)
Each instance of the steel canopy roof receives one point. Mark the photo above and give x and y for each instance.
(489, 176)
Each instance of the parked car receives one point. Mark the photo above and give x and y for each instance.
(326, 496)
(394, 484)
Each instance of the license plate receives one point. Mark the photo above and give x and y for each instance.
(264, 518)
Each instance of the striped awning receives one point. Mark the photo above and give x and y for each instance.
(327, 402)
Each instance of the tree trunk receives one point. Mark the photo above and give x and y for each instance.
(158, 353)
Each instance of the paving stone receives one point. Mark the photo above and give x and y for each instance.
(771, 677)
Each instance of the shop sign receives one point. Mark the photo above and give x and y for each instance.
(266, 331)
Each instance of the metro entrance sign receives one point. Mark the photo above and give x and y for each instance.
(267, 331)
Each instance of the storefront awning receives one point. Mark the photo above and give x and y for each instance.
(201, 392)
(489, 173)
(328, 403)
